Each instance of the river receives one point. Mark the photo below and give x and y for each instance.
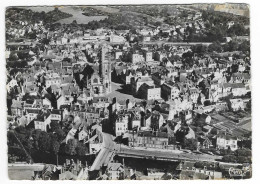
(77, 15)
(75, 11)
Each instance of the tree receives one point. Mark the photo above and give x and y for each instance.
(237, 30)
(243, 159)
(243, 152)
(199, 49)
(172, 140)
(81, 149)
(55, 149)
(12, 158)
(11, 140)
(190, 144)
(60, 134)
(229, 158)
(187, 56)
(244, 46)
(215, 46)
(202, 87)
(214, 131)
(54, 126)
(226, 151)
(136, 39)
(44, 142)
(231, 46)
(71, 146)
(23, 55)
(24, 136)
(133, 31)
(45, 41)
(88, 71)
(249, 106)
(158, 23)
(239, 156)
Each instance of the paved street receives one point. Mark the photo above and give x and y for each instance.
(176, 43)
(116, 92)
(106, 153)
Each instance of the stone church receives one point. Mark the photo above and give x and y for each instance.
(100, 81)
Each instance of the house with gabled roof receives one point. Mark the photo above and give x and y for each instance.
(226, 141)
(149, 92)
(238, 89)
(170, 90)
(17, 107)
(204, 142)
(237, 104)
(31, 114)
(42, 120)
(115, 171)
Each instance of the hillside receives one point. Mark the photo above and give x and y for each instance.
(20, 14)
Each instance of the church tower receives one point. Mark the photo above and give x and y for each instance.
(105, 70)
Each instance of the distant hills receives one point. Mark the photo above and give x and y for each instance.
(237, 9)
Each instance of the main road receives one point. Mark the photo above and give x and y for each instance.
(160, 42)
(107, 152)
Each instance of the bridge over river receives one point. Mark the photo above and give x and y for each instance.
(109, 149)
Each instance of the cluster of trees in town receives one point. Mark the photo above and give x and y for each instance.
(151, 10)
(116, 21)
(231, 46)
(124, 21)
(238, 156)
(216, 24)
(18, 59)
(24, 142)
(16, 64)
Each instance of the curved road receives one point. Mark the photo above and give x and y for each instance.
(107, 152)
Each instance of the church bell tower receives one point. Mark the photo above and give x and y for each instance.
(105, 70)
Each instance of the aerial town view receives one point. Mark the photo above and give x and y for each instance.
(128, 92)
